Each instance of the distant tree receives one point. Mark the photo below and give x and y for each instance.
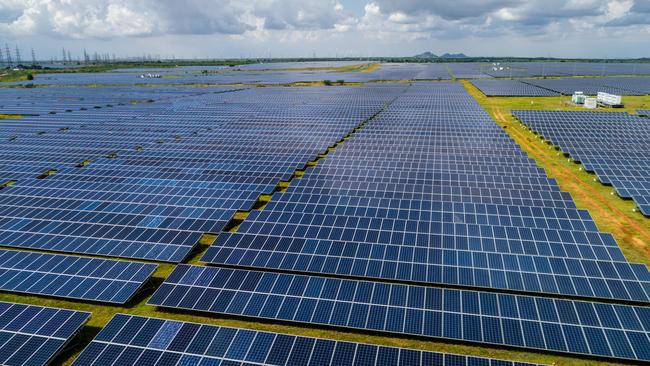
(30, 77)
(327, 82)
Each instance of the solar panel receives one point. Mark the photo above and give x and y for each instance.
(135, 340)
(511, 88)
(34, 335)
(104, 280)
(162, 174)
(433, 191)
(598, 329)
(608, 144)
(591, 86)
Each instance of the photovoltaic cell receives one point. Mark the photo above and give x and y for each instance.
(134, 340)
(72, 277)
(433, 191)
(147, 180)
(34, 335)
(578, 327)
(612, 145)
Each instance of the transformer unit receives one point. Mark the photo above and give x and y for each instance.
(578, 98)
(590, 103)
(608, 100)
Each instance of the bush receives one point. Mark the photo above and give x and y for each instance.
(30, 77)
(340, 82)
(327, 82)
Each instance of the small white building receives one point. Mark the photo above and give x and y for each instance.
(590, 103)
(578, 97)
(608, 99)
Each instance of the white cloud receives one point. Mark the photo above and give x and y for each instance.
(322, 21)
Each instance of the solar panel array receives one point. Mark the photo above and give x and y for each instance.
(511, 88)
(34, 335)
(282, 73)
(73, 277)
(430, 191)
(416, 196)
(428, 221)
(611, 144)
(565, 86)
(134, 340)
(159, 180)
(536, 69)
(591, 86)
(532, 322)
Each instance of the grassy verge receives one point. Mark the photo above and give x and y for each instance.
(10, 116)
(611, 213)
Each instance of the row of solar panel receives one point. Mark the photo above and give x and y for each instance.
(605, 143)
(33, 336)
(600, 329)
(118, 202)
(134, 340)
(552, 87)
(405, 242)
(80, 278)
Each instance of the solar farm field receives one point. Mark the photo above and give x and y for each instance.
(242, 218)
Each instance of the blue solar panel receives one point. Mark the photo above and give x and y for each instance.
(134, 340)
(598, 329)
(162, 174)
(433, 191)
(511, 88)
(612, 145)
(34, 335)
(94, 279)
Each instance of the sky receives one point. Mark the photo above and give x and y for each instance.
(327, 28)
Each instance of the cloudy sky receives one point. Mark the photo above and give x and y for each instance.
(302, 28)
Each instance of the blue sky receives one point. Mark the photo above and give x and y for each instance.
(301, 28)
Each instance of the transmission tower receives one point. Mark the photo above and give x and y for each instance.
(8, 55)
(18, 60)
(33, 57)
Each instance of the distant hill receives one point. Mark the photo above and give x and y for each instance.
(453, 55)
(426, 55)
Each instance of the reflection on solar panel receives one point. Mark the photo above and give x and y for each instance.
(133, 340)
(613, 145)
(163, 174)
(34, 335)
(433, 191)
(532, 322)
(72, 277)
